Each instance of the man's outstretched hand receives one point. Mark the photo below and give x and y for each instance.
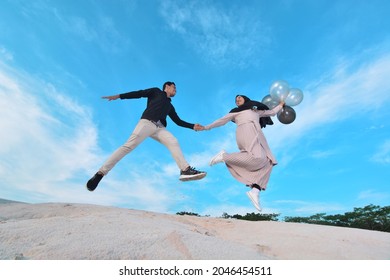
(111, 97)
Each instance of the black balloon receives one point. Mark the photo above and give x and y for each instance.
(287, 115)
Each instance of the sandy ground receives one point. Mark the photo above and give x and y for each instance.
(60, 231)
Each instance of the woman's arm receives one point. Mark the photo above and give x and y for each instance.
(220, 122)
(272, 112)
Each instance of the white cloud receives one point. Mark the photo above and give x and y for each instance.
(46, 137)
(222, 37)
(383, 154)
(322, 154)
(6, 54)
(81, 28)
(96, 28)
(338, 96)
(49, 147)
(305, 208)
(356, 92)
(371, 195)
(153, 192)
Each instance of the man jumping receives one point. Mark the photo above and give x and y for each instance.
(152, 124)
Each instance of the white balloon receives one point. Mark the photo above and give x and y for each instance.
(266, 99)
(269, 101)
(279, 90)
(294, 97)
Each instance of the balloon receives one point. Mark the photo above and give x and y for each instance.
(279, 90)
(287, 115)
(294, 97)
(269, 101)
(266, 99)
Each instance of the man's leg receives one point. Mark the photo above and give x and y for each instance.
(143, 130)
(168, 140)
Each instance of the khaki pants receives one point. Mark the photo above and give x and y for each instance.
(144, 129)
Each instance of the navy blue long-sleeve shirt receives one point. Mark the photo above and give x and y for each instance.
(158, 107)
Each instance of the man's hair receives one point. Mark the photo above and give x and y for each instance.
(167, 84)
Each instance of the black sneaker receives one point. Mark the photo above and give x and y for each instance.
(94, 182)
(191, 174)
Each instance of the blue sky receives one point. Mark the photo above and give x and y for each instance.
(57, 58)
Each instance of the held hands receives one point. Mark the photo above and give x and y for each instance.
(198, 127)
(111, 97)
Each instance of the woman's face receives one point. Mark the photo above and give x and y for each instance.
(240, 100)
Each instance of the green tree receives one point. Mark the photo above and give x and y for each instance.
(253, 217)
(371, 217)
(187, 213)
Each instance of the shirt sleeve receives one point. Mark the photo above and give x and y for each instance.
(137, 93)
(222, 121)
(270, 113)
(176, 119)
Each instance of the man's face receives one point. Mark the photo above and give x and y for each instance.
(170, 90)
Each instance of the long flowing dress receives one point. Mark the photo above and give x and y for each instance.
(253, 163)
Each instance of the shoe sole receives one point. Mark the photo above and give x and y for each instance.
(186, 178)
(255, 204)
